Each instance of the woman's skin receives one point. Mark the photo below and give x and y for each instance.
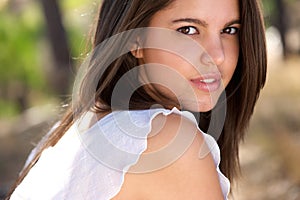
(214, 24)
(187, 178)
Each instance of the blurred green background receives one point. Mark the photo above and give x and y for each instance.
(42, 43)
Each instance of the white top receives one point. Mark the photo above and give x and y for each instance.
(90, 163)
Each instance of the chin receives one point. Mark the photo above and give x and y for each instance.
(205, 108)
(200, 107)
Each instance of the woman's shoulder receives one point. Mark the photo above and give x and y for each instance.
(178, 156)
(172, 130)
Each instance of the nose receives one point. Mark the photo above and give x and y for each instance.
(214, 52)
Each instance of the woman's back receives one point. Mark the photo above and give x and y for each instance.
(92, 163)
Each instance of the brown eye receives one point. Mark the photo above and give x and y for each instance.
(188, 30)
(230, 30)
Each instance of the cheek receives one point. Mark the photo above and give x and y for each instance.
(162, 57)
(162, 67)
(232, 48)
(165, 71)
(232, 55)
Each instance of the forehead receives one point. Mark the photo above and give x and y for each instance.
(204, 9)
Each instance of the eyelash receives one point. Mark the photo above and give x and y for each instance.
(184, 28)
(228, 30)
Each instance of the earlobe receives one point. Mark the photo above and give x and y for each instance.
(136, 51)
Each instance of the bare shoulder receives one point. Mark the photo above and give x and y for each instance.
(170, 168)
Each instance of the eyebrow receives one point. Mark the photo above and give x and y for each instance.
(191, 20)
(203, 23)
(235, 21)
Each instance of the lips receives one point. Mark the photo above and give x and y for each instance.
(208, 82)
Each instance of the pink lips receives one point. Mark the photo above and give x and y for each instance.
(208, 82)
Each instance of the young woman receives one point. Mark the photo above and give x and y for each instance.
(157, 77)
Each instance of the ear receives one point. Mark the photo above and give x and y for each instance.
(136, 50)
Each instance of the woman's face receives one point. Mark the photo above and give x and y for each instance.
(195, 78)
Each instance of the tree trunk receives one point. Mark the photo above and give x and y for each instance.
(282, 24)
(60, 75)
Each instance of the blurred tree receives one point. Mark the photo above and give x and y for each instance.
(281, 14)
(25, 63)
(281, 23)
(294, 22)
(60, 73)
(19, 69)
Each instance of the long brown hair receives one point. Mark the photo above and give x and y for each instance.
(116, 16)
